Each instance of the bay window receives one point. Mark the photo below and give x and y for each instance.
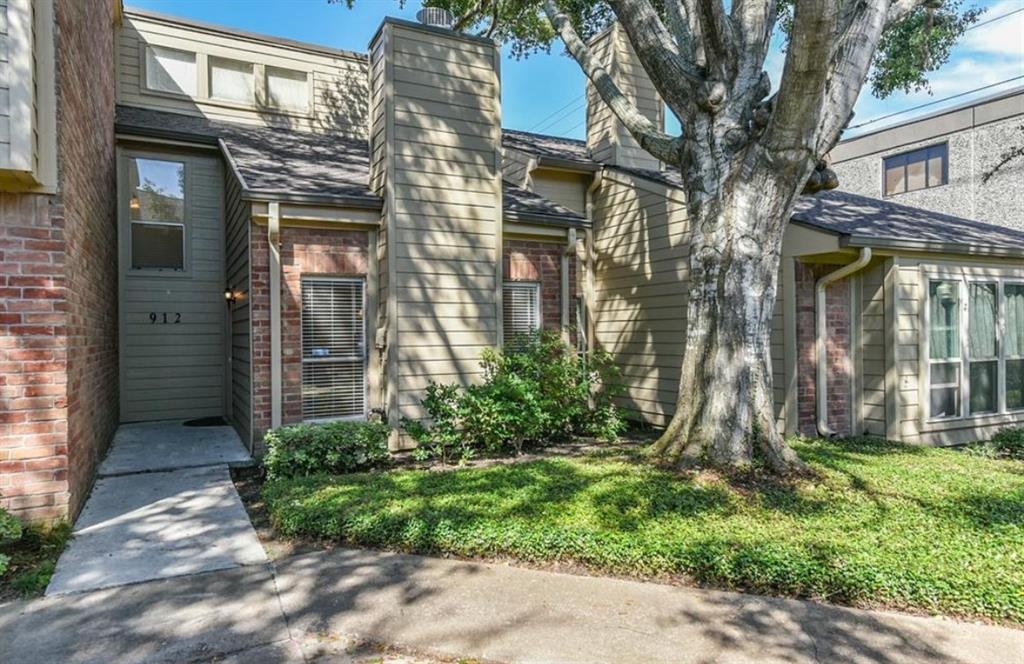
(975, 347)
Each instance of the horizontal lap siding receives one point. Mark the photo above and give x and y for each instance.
(568, 189)
(908, 303)
(777, 350)
(237, 215)
(872, 339)
(640, 285)
(440, 98)
(339, 81)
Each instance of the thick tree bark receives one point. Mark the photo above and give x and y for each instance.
(725, 415)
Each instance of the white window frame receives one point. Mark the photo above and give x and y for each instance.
(963, 281)
(363, 355)
(148, 49)
(534, 288)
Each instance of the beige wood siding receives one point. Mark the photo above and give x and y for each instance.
(237, 217)
(778, 341)
(176, 370)
(568, 189)
(337, 80)
(5, 86)
(872, 349)
(439, 113)
(609, 140)
(641, 276)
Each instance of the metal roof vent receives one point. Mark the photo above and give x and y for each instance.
(436, 17)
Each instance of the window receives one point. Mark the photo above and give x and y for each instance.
(521, 309)
(975, 337)
(156, 212)
(170, 70)
(231, 80)
(287, 89)
(920, 169)
(333, 349)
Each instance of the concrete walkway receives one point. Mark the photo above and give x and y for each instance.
(308, 607)
(145, 520)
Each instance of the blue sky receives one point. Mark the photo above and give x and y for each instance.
(545, 92)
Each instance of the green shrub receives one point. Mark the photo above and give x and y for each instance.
(326, 448)
(10, 531)
(536, 392)
(1008, 443)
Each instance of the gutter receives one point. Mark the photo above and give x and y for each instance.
(821, 336)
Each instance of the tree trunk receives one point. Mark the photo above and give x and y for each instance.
(725, 414)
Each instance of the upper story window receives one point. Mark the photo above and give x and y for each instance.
(287, 89)
(232, 80)
(171, 70)
(156, 210)
(918, 169)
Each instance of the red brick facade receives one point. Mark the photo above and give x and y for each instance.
(304, 252)
(837, 298)
(541, 262)
(58, 315)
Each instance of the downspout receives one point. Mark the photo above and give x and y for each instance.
(821, 335)
(274, 240)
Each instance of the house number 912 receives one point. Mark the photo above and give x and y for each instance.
(164, 318)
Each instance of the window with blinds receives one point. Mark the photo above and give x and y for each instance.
(521, 309)
(333, 349)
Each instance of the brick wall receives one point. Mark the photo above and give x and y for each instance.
(58, 348)
(528, 260)
(837, 304)
(304, 252)
(88, 187)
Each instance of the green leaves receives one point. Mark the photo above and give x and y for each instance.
(332, 447)
(538, 392)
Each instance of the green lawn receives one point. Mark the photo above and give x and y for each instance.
(33, 559)
(922, 529)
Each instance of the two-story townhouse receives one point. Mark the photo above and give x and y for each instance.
(940, 161)
(304, 233)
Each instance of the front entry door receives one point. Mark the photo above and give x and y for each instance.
(172, 309)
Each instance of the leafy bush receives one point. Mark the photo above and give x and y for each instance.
(536, 392)
(10, 531)
(1008, 443)
(327, 448)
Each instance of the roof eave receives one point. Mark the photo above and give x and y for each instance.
(545, 219)
(925, 246)
(565, 164)
(284, 196)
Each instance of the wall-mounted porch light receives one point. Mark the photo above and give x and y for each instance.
(230, 295)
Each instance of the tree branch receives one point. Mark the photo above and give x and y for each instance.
(718, 38)
(650, 138)
(899, 9)
(658, 54)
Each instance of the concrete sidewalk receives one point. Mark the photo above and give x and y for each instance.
(461, 609)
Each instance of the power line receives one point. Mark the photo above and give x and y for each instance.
(994, 19)
(932, 103)
(545, 118)
(554, 123)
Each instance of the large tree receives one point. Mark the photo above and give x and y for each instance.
(747, 150)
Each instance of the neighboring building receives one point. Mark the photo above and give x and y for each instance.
(938, 161)
(304, 234)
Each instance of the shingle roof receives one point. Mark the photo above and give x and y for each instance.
(270, 160)
(279, 161)
(525, 205)
(862, 220)
(552, 147)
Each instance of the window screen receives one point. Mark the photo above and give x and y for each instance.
(287, 89)
(915, 170)
(1014, 299)
(156, 210)
(521, 309)
(333, 349)
(170, 70)
(231, 80)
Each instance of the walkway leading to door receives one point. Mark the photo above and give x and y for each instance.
(163, 506)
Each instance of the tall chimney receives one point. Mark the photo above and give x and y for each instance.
(435, 140)
(609, 141)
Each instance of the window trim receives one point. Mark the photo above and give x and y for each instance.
(147, 87)
(210, 61)
(924, 148)
(363, 354)
(538, 317)
(186, 226)
(963, 281)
